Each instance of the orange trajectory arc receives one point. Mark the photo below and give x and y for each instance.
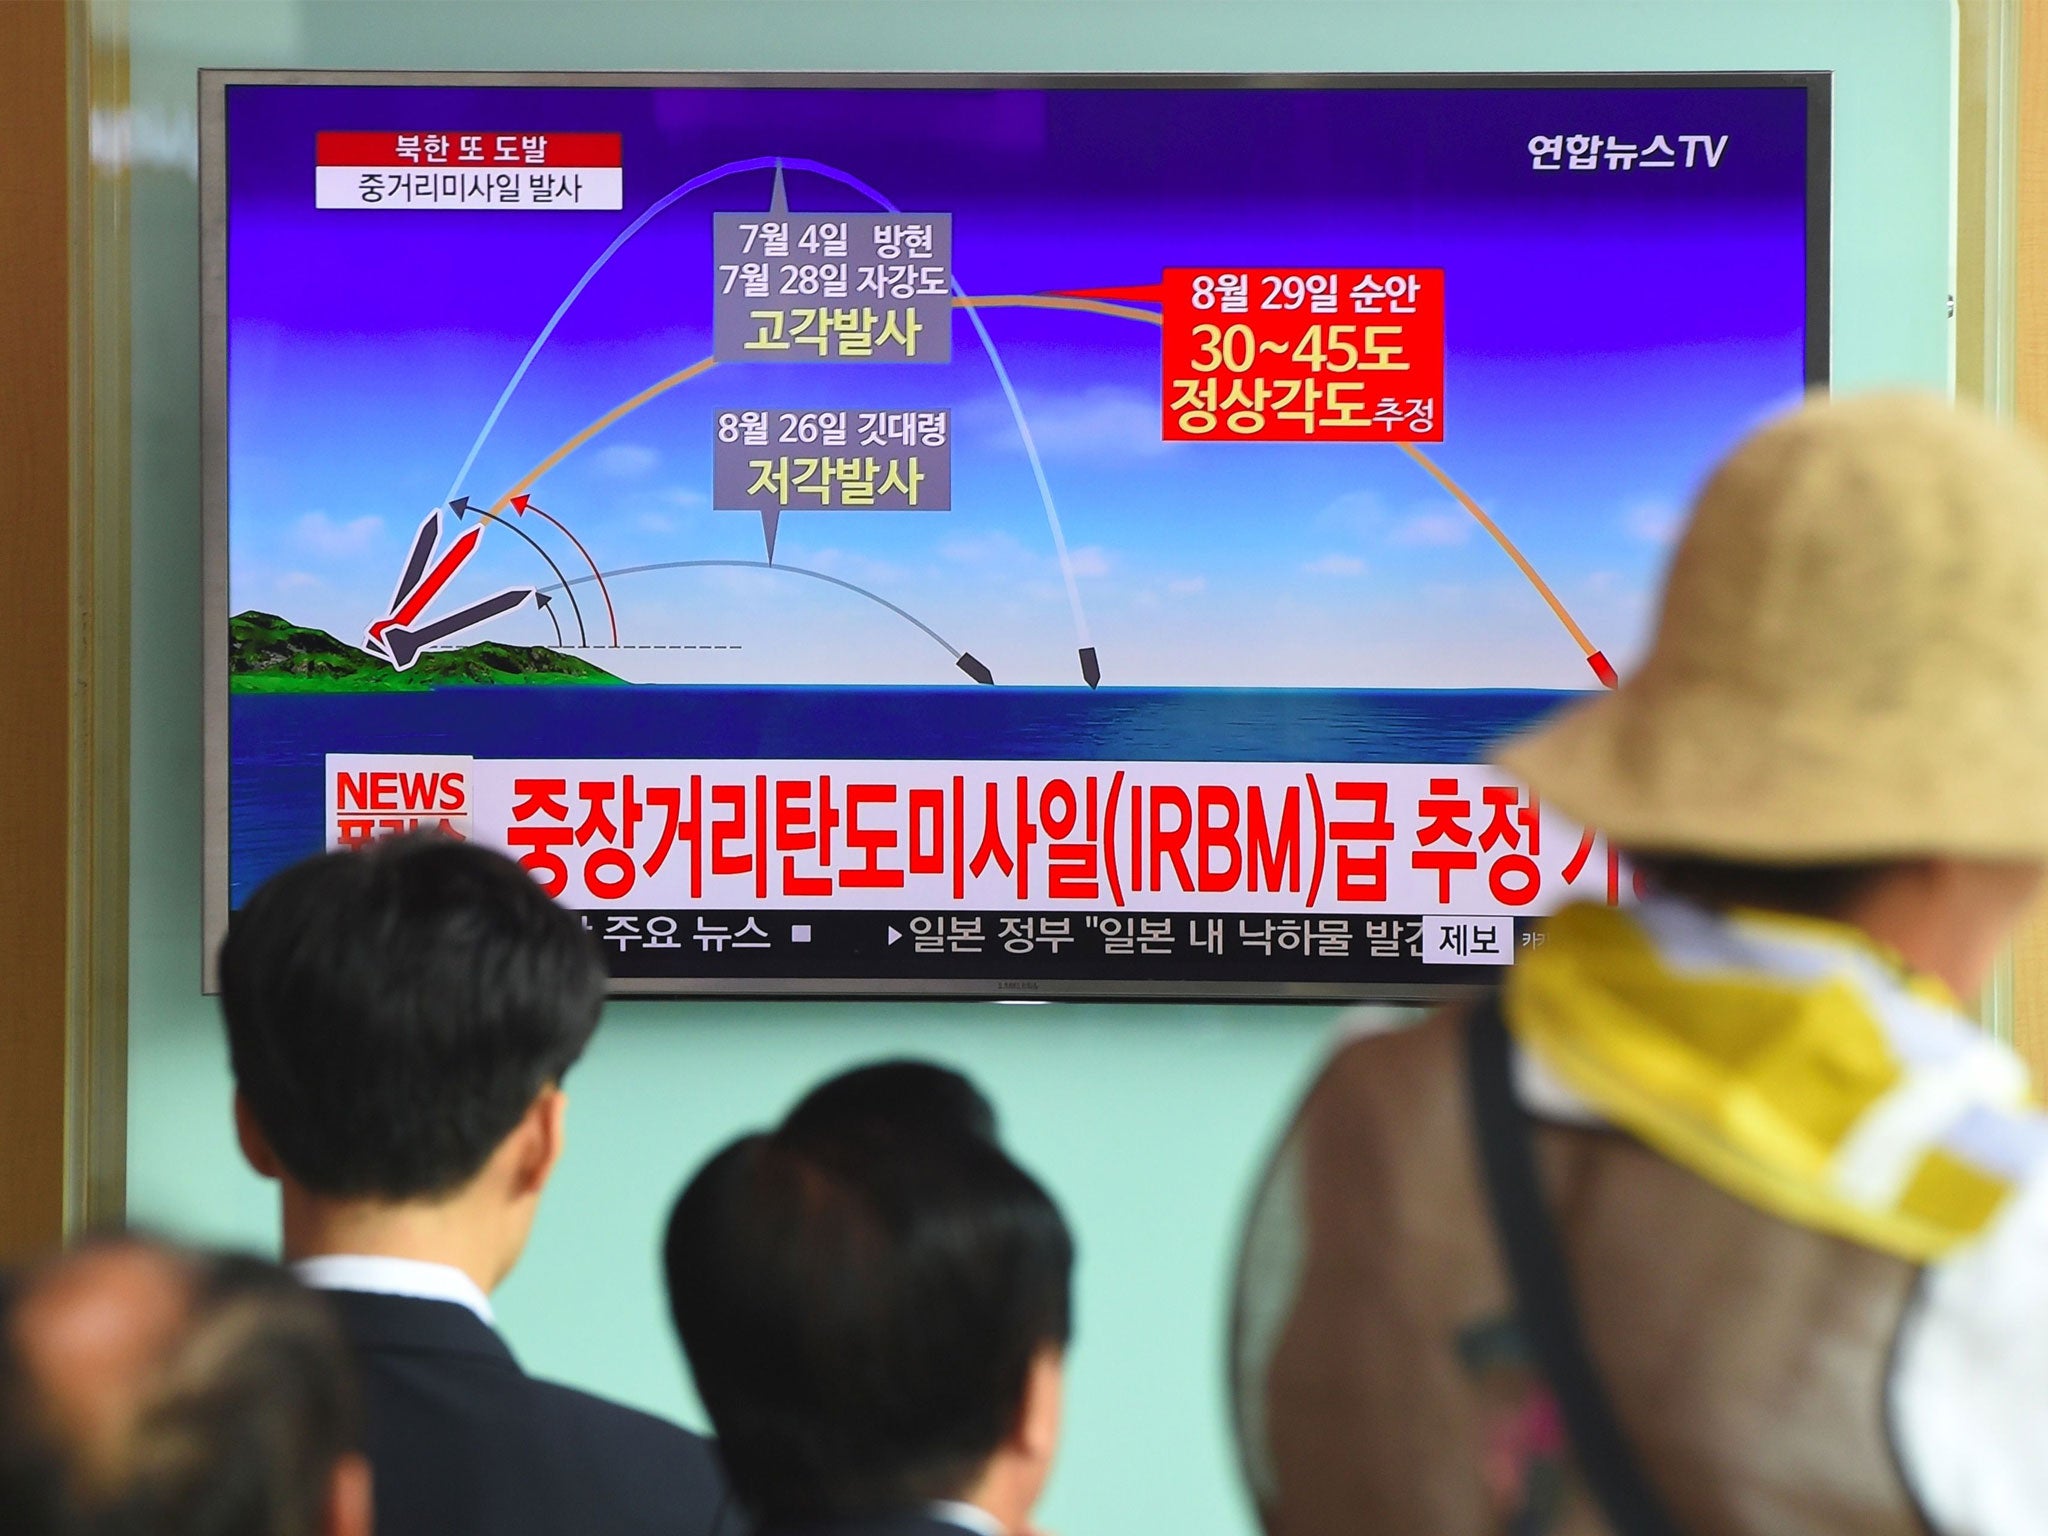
(623, 409)
(704, 365)
(1595, 657)
(1082, 302)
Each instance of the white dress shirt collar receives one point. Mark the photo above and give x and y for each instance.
(382, 1276)
(969, 1517)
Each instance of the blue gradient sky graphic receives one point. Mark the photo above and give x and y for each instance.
(1608, 334)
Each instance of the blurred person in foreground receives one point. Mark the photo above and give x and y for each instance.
(875, 1303)
(150, 1391)
(400, 1019)
(1720, 1216)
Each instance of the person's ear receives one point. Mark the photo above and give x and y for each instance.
(350, 1503)
(255, 1145)
(1036, 1435)
(543, 1139)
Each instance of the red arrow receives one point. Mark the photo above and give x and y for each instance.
(522, 505)
(430, 584)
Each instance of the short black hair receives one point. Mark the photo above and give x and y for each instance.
(895, 1099)
(1804, 890)
(393, 1010)
(861, 1294)
(238, 1425)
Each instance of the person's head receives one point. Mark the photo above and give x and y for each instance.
(876, 1301)
(150, 1391)
(1844, 710)
(400, 1018)
(1946, 916)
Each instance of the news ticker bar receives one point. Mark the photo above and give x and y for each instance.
(996, 946)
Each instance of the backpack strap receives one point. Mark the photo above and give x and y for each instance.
(1542, 1285)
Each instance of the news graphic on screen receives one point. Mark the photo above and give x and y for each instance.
(973, 535)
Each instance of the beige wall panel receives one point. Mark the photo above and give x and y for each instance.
(35, 617)
(2030, 957)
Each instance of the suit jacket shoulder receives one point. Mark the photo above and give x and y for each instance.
(463, 1442)
(910, 1523)
(632, 1447)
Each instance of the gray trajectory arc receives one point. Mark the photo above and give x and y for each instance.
(1090, 667)
(965, 660)
(461, 506)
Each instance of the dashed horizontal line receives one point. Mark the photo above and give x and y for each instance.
(566, 647)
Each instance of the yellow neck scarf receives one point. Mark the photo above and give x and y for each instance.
(1791, 1062)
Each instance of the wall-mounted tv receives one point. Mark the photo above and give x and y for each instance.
(972, 535)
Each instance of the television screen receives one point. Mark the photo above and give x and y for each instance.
(977, 535)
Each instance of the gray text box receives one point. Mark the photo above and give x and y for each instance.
(832, 287)
(765, 460)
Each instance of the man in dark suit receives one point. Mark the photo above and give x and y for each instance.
(400, 1019)
(875, 1301)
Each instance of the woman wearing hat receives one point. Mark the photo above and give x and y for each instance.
(1721, 1217)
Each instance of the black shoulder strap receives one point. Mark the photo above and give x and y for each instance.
(1543, 1290)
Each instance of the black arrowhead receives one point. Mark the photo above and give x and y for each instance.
(403, 646)
(542, 599)
(974, 668)
(459, 506)
(1091, 669)
(416, 563)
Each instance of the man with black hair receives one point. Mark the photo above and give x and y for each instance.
(875, 1302)
(400, 1019)
(150, 1391)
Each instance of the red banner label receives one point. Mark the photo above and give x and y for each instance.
(1303, 354)
(554, 150)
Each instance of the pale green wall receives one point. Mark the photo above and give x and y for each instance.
(1146, 1121)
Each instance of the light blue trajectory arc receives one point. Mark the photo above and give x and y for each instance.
(778, 164)
(730, 168)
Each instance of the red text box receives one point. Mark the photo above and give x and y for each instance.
(556, 151)
(1303, 354)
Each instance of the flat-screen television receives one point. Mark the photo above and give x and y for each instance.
(974, 535)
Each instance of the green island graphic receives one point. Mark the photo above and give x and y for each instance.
(268, 654)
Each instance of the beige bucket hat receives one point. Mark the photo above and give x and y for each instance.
(1851, 661)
